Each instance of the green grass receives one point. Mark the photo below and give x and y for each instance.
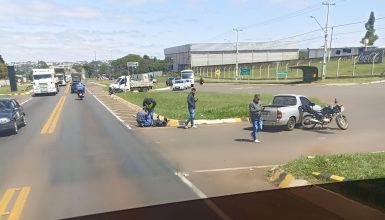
(356, 166)
(21, 88)
(210, 105)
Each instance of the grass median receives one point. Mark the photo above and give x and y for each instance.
(358, 166)
(210, 105)
(5, 90)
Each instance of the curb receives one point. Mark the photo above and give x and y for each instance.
(180, 123)
(331, 177)
(285, 180)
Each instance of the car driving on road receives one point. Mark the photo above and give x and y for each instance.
(12, 116)
(179, 85)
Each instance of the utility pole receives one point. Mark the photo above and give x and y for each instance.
(330, 45)
(328, 4)
(96, 69)
(237, 52)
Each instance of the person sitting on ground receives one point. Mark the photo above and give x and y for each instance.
(149, 104)
(143, 119)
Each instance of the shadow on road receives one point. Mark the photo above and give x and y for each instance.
(270, 129)
(243, 140)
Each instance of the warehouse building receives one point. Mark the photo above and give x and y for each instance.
(222, 54)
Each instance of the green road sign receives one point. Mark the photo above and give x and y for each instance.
(245, 72)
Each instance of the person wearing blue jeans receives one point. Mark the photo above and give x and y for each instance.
(255, 109)
(191, 108)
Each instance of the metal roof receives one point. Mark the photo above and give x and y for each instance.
(243, 46)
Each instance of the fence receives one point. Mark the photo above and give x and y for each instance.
(341, 67)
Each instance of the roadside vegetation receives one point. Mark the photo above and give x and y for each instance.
(21, 88)
(358, 166)
(210, 105)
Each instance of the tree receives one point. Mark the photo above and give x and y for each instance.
(42, 65)
(370, 31)
(77, 67)
(146, 57)
(3, 68)
(89, 69)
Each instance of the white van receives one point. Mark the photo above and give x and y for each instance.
(189, 76)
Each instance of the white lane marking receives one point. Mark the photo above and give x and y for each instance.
(108, 109)
(26, 101)
(195, 189)
(234, 168)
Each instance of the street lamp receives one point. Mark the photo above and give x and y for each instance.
(237, 52)
(325, 30)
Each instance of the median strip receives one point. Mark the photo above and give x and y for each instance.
(50, 125)
(17, 208)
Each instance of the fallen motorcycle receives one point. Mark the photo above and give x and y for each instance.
(323, 117)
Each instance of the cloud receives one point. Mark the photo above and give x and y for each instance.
(44, 12)
(292, 4)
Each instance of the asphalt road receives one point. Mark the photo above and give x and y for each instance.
(90, 164)
(223, 153)
(85, 161)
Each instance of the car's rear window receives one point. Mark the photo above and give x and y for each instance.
(284, 100)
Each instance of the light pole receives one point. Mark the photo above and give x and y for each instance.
(325, 30)
(237, 52)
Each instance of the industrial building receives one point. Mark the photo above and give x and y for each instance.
(190, 56)
(337, 52)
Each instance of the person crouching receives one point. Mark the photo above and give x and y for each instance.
(143, 118)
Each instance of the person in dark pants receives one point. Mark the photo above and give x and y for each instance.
(149, 104)
(255, 109)
(143, 118)
(191, 108)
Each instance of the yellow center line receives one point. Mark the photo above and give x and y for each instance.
(5, 200)
(50, 125)
(19, 204)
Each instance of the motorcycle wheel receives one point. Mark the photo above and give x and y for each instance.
(342, 122)
(307, 124)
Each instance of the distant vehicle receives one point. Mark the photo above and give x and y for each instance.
(44, 82)
(180, 85)
(139, 82)
(74, 88)
(284, 111)
(169, 81)
(189, 76)
(76, 77)
(61, 79)
(12, 116)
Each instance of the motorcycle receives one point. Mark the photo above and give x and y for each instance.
(80, 94)
(201, 81)
(324, 117)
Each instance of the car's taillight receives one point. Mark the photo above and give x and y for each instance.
(279, 114)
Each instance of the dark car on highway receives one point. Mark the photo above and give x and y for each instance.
(169, 81)
(12, 116)
(74, 88)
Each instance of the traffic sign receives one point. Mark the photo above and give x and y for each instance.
(245, 72)
(217, 72)
(132, 64)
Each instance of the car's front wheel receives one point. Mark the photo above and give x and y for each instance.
(15, 128)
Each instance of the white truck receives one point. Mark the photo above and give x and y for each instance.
(283, 111)
(44, 82)
(61, 79)
(189, 76)
(139, 82)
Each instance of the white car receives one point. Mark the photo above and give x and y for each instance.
(179, 85)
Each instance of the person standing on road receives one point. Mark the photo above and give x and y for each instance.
(191, 108)
(255, 109)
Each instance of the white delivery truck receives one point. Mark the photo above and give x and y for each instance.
(44, 82)
(188, 76)
(139, 82)
(61, 79)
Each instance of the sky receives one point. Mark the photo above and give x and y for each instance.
(74, 30)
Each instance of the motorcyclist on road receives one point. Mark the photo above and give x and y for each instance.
(80, 87)
(149, 104)
(143, 118)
